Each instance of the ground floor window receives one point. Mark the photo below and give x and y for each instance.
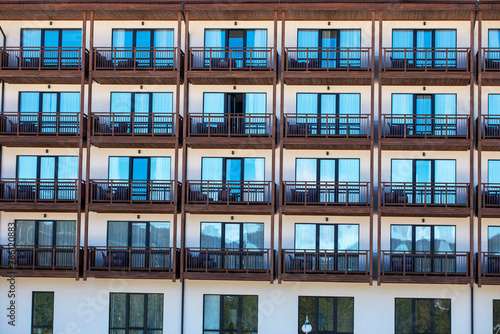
(327, 315)
(496, 316)
(42, 317)
(131, 313)
(431, 316)
(230, 314)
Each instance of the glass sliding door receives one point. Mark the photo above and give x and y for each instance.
(142, 110)
(350, 39)
(423, 44)
(51, 40)
(423, 111)
(140, 178)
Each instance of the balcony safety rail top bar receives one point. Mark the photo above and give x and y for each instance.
(491, 59)
(38, 257)
(329, 126)
(491, 127)
(105, 258)
(41, 58)
(129, 124)
(424, 126)
(39, 190)
(230, 125)
(136, 58)
(326, 261)
(231, 59)
(229, 192)
(425, 194)
(490, 195)
(490, 264)
(41, 124)
(133, 191)
(425, 263)
(426, 59)
(228, 260)
(328, 59)
(326, 193)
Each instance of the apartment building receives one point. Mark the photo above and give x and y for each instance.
(213, 167)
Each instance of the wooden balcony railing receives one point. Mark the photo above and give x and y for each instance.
(231, 59)
(136, 58)
(229, 192)
(39, 190)
(230, 125)
(41, 124)
(148, 259)
(491, 59)
(328, 59)
(127, 124)
(133, 191)
(425, 194)
(490, 264)
(410, 126)
(426, 59)
(326, 193)
(38, 257)
(339, 262)
(329, 126)
(490, 195)
(425, 263)
(41, 58)
(490, 127)
(228, 260)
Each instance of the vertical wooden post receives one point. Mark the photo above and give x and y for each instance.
(379, 190)
(273, 151)
(471, 151)
(282, 127)
(372, 143)
(479, 145)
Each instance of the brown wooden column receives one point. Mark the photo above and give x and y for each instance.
(89, 133)
(379, 190)
(282, 131)
(479, 193)
(80, 146)
(184, 146)
(372, 143)
(273, 151)
(471, 151)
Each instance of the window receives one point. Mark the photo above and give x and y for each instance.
(232, 235)
(326, 236)
(494, 240)
(431, 316)
(494, 39)
(423, 171)
(131, 313)
(309, 40)
(327, 315)
(328, 113)
(142, 112)
(327, 170)
(414, 45)
(429, 114)
(162, 40)
(232, 169)
(494, 106)
(42, 313)
(230, 314)
(238, 40)
(434, 239)
(48, 41)
(59, 172)
(39, 111)
(496, 316)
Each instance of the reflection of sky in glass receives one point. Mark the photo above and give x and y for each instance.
(119, 168)
(306, 236)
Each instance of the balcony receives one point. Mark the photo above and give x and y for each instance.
(490, 200)
(325, 265)
(231, 66)
(425, 267)
(490, 70)
(131, 262)
(327, 132)
(230, 131)
(409, 132)
(139, 66)
(245, 197)
(39, 261)
(39, 195)
(425, 199)
(43, 65)
(30, 129)
(489, 130)
(327, 198)
(133, 196)
(126, 130)
(249, 264)
(328, 66)
(426, 66)
(489, 268)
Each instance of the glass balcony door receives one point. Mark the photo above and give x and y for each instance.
(51, 40)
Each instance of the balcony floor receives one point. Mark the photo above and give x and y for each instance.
(328, 210)
(390, 278)
(422, 78)
(321, 277)
(321, 77)
(45, 140)
(26, 206)
(230, 142)
(132, 207)
(353, 143)
(45, 76)
(437, 144)
(236, 77)
(227, 276)
(139, 77)
(424, 211)
(128, 141)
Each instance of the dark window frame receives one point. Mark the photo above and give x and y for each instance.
(223, 231)
(33, 327)
(56, 164)
(433, 170)
(242, 173)
(131, 167)
(226, 41)
(127, 328)
(37, 230)
(335, 315)
(134, 34)
(318, 167)
(432, 236)
(129, 228)
(221, 329)
(413, 311)
(318, 225)
(42, 30)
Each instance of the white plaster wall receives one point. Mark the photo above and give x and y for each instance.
(83, 306)
(485, 156)
(483, 307)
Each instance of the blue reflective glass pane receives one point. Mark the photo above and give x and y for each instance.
(211, 234)
(140, 169)
(211, 169)
(233, 169)
(71, 38)
(306, 169)
(401, 238)
(305, 236)
(348, 237)
(254, 169)
(27, 167)
(119, 168)
(123, 38)
(67, 168)
(494, 171)
(401, 170)
(348, 170)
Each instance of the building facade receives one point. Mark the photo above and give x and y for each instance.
(211, 167)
